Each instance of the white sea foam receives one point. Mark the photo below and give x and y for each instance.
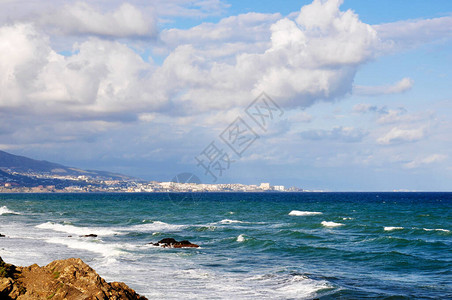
(391, 228)
(347, 218)
(331, 224)
(437, 229)
(71, 229)
(227, 221)
(300, 213)
(156, 226)
(106, 250)
(302, 286)
(5, 210)
(241, 238)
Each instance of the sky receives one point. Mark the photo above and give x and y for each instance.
(323, 95)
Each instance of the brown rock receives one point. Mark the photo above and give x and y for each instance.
(61, 279)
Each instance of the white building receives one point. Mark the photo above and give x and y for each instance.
(279, 188)
(265, 186)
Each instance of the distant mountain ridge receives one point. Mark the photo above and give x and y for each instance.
(22, 164)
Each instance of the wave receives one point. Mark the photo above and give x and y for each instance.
(5, 210)
(331, 224)
(241, 238)
(227, 221)
(156, 226)
(106, 250)
(300, 213)
(437, 229)
(303, 286)
(71, 229)
(391, 228)
(292, 286)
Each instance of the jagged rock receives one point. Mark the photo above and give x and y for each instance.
(172, 243)
(2, 235)
(89, 235)
(61, 279)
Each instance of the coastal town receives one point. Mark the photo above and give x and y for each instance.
(31, 182)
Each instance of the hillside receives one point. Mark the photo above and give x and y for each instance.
(24, 165)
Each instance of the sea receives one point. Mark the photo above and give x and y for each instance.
(252, 245)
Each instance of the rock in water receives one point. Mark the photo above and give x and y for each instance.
(61, 279)
(89, 235)
(172, 243)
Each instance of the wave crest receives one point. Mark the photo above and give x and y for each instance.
(5, 210)
(300, 213)
(331, 224)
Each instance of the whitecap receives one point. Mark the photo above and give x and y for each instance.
(5, 210)
(347, 218)
(241, 238)
(71, 229)
(300, 213)
(106, 250)
(437, 229)
(156, 226)
(331, 224)
(227, 221)
(302, 286)
(391, 228)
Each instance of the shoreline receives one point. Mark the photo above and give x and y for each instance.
(61, 279)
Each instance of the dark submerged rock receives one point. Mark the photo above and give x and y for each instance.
(172, 243)
(89, 235)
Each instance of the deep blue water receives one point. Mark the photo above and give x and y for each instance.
(253, 245)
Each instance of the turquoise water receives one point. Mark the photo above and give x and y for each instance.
(253, 246)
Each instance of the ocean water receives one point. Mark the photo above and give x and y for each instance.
(253, 246)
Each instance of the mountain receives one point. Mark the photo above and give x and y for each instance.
(24, 165)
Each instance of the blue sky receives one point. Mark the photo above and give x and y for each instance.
(143, 88)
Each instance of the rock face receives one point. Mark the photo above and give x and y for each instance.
(172, 243)
(61, 279)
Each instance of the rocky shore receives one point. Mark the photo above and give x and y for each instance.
(61, 279)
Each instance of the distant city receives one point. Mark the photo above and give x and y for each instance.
(19, 174)
(83, 183)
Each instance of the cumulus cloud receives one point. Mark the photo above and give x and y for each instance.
(103, 77)
(401, 135)
(81, 18)
(399, 87)
(306, 60)
(298, 61)
(431, 159)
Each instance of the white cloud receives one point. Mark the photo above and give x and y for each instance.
(364, 107)
(399, 87)
(81, 18)
(431, 159)
(401, 115)
(189, 8)
(307, 60)
(400, 135)
(236, 34)
(102, 78)
(343, 134)
(411, 33)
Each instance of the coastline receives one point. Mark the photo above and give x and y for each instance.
(61, 279)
